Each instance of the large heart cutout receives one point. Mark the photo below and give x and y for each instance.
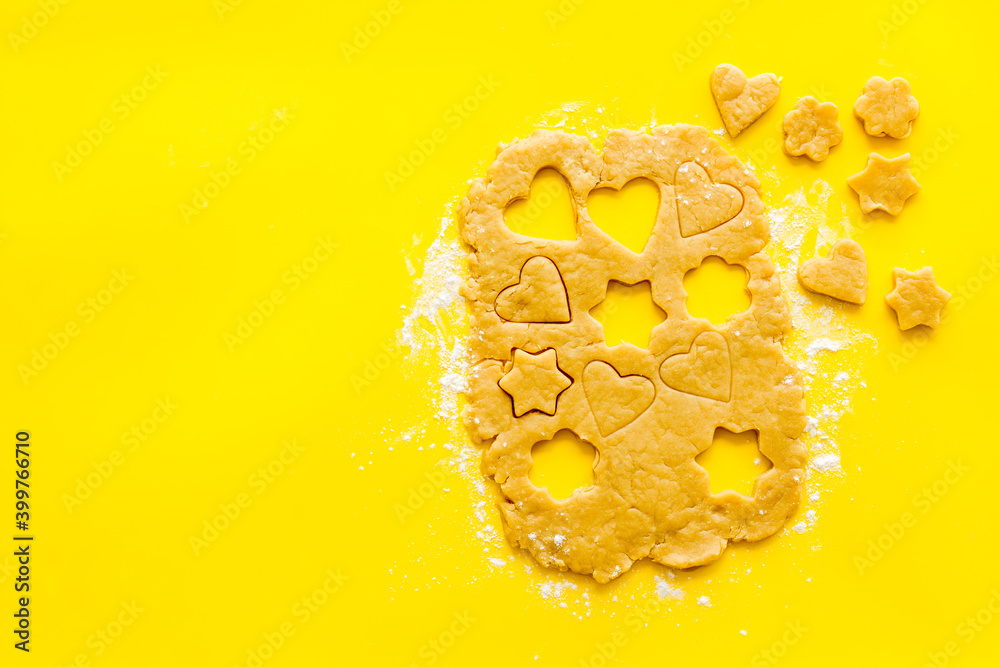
(615, 400)
(842, 274)
(539, 295)
(741, 101)
(548, 212)
(703, 371)
(703, 205)
(627, 215)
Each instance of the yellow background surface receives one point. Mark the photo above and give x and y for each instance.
(119, 116)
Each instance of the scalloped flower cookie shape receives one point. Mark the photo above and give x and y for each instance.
(648, 411)
(887, 107)
(741, 101)
(916, 298)
(811, 129)
(884, 183)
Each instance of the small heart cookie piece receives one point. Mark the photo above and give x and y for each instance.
(539, 296)
(703, 205)
(615, 400)
(741, 101)
(842, 274)
(703, 371)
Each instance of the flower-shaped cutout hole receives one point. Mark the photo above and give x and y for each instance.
(628, 314)
(716, 290)
(548, 212)
(627, 215)
(733, 461)
(563, 464)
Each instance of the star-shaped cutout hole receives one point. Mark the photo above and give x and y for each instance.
(916, 298)
(534, 381)
(885, 184)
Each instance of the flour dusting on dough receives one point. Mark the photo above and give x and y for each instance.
(825, 341)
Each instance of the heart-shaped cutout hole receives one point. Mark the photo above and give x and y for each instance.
(627, 215)
(548, 212)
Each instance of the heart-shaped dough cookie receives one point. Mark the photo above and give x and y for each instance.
(704, 371)
(842, 274)
(701, 204)
(539, 296)
(741, 101)
(615, 400)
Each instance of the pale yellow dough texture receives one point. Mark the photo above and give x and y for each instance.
(648, 411)
(741, 101)
(884, 183)
(887, 107)
(842, 274)
(811, 129)
(916, 298)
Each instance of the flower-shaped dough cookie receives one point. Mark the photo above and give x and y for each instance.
(811, 129)
(887, 107)
(884, 183)
(916, 298)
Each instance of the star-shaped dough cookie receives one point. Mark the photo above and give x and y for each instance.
(884, 183)
(916, 298)
(887, 107)
(534, 381)
(811, 128)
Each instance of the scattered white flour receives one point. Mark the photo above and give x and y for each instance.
(559, 539)
(497, 562)
(800, 527)
(704, 601)
(842, 376)
(825, 462)
(665, 591)
(822, 344)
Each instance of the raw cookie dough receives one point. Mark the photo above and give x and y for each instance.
(842, 274)
(741, 101)
(885, 184)
(916, 298)
(811, 129)
(648, 411)
(887, 107)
